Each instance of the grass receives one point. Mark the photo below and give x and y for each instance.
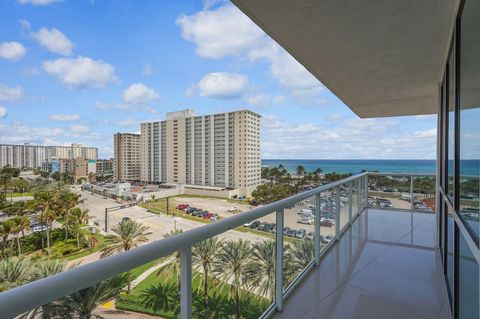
(19, 194)
(252, 306)
(211, 197)
(83, 253)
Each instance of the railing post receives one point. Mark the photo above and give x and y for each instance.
(411, 193)
(279, 261)
(186, 283)
(316, 236)
(337, 213)
(106, 220)
(350, 203)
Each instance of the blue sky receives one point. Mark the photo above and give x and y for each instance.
(79, 71)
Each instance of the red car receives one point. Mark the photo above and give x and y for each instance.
(182, 206)
(326, 223)
(207, 215)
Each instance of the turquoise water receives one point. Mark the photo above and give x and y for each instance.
(469, 167)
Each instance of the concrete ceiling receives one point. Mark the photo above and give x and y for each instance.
(381, 58)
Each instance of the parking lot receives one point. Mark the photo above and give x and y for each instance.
(215, 205)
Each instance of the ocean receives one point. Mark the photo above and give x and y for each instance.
(469, 167)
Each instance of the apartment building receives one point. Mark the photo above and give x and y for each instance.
(104, 166)
(22, 156)
(79, 166)
(219, 150)
(126, 164)
(32, 156)
(73, 151)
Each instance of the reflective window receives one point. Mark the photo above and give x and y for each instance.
(470, 115)
(451, 122)
(468, 283)
(450, 227)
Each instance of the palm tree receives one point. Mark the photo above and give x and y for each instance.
(232, 268)
(78, 217)
(14, 272)
(83, 302)
(68, 201)
(262, 267)
(46, 201)
(5, 231)
(128, 235)
(162, 295)
(300, 170)
(298, 256)
(172, 269)
(204, 256)
(54, 309)
(20, 224)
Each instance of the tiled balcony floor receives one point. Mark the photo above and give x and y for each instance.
(385, 266)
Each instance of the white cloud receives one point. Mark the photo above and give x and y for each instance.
(264, 100)
(64, 117)
(3, 112)
(226, 31)
(10, 93)
(426, 133)
(81, 72)
(147, 70)
(138, 93)
(221, 32)
(12, 50)
(348, 139)
(38, 2)
(24, 24)
(79, 128)
(54, 41)
(129, 107)
(18, 133)
(222, 85)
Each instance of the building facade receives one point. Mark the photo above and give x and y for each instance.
(126, 164)
(33, 156)
(218, 150)
(22, 156)
(104, 166)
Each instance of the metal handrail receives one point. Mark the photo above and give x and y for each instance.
(34, 294)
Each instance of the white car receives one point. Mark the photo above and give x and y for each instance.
(233, 209)
(305, 220)
(39, 227)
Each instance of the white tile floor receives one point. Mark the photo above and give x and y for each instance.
(385, 266)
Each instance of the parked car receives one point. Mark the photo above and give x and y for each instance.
(213, 219)
(262, 226)
(305, 220)
(208, 215)
(286, 230)
(326, 223)
(233, 209)
(292, 232)
(248, 224)
(310, 235)
(253, 202)
(328, 238)
(39, 227)
(182, 206)
(255, 224)
(301, 233)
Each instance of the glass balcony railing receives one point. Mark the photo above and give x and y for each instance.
(213, 271)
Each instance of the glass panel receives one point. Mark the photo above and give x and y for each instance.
(354, 198)
(451, 122)
(299, 248)
(450, 228)
(344, 206)
(468, 297)
(389, 192)
(424, 194)
(470, 116)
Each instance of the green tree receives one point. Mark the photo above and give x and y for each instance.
(19, 225)
(5, 231)
(262, 267)
(77, 217)
(45, 200)
(300, 170)
(232, 267)
(14, 272)
(204, 256)
(298, 256)
(128, 235)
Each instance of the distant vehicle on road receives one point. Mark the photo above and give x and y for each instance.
(39, 227)
(233, 209)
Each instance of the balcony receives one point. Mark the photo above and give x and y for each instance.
(350, 259)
